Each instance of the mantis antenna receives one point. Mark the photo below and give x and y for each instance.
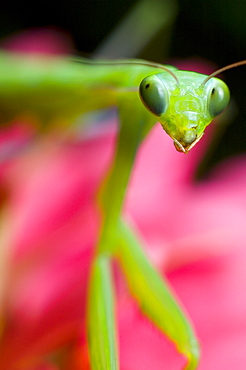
(148, 64)
(230, 66)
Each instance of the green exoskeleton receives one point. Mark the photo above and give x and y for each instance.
(184, 105)
(185, 102)
(56, 90)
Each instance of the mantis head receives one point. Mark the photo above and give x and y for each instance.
(185, 102)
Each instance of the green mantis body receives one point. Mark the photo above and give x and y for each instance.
(184, 106)
(55, 89)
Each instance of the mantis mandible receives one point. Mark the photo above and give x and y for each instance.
(57, 89)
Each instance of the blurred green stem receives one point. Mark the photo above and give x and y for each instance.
(143, 32)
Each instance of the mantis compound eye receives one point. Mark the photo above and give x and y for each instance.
(218, 97)
(154, 95)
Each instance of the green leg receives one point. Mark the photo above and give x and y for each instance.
(135, 123)
(101, 317)
(155, 297)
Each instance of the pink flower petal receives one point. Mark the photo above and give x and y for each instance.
(180, 219)
(39, 40)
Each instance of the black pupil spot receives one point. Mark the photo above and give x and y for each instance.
(147, 86)
(213, 91)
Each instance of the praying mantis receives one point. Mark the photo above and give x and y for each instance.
(58, 89)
